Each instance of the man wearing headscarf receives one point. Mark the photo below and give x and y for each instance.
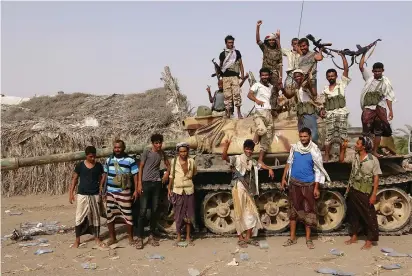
(181, 190)
(361, 191)
(231, 65)
(272, 59)
(303, 173)
(308, 105)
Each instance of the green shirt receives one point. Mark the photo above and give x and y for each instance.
(362, 174)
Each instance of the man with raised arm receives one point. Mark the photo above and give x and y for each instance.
(272, 59)
(335, 107)
(377, 95)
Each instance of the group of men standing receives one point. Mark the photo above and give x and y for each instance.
(121, 181)
(304, 171)
(122, 189)
(300, 85)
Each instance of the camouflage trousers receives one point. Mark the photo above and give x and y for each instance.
(264, 127)
(336, 127)
(231, 91)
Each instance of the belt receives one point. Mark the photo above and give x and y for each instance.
(221, 110)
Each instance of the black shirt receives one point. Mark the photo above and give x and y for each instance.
(89, 178)
(229, 73)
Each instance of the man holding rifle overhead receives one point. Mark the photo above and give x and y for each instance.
(377, 94)
(335, 105)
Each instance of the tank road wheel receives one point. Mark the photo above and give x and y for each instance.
(273, 209)
(218, 213)
(330, 210)
(393, 209)
(166, 222)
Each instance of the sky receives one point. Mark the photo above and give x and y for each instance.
(122, 47)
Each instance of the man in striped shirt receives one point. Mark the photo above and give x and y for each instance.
(120, 173)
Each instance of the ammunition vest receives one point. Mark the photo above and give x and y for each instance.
(272, 58)
(121, 179)
(305, 108)
(235, 67)
(361, 181)
(374, 97)
(335, 102)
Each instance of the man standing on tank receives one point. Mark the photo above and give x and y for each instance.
(308, 62)
(149, 187)
(260, 93)
(231, 65)
(308, 105)
(272, 59)
(217, 101)
(377, 95)
(335, 107)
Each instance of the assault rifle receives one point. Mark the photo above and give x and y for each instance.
(218, 72)
(318, 45)
(354, 54)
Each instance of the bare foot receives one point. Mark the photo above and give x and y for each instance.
(99, 243)
(367, 245)
(351, 240)
(76, 244)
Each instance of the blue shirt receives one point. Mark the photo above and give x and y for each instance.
(126, 164)
(302, 167)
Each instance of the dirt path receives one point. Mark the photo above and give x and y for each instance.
(208, 255)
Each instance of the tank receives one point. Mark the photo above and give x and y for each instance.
(214, 205)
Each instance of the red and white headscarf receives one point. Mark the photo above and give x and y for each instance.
(271, 36)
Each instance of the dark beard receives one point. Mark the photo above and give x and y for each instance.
(332, 82)
(120, 155)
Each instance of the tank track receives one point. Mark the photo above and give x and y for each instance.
(385, 182)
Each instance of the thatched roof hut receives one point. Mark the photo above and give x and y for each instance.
(70, 122)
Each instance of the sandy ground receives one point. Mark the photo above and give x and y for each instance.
(209, 256)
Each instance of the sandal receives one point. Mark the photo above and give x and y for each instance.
(310, 244)
(253, 242)
(153, 242)
(290, 242)
(139, 244)
(111, 242)
(191, 243)
(242, 244)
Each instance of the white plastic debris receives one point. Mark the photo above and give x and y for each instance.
(337, 252)
(233, 263)
(42, 251)
(193, 272)
(89, 266)
(263, 245)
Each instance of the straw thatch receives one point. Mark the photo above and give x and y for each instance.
(70, 122)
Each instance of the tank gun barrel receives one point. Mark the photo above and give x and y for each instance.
(16, 162)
